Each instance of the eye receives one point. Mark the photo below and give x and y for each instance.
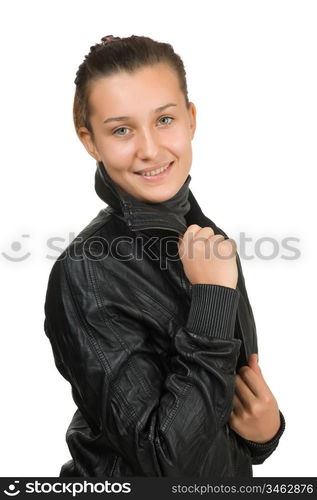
(115, 132)
(121, 128)
(168, 117)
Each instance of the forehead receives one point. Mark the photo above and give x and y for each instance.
(152, 85)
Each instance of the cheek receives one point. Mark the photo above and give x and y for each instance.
(117, 154)
(180, 142)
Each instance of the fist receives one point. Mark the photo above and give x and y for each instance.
(208, 257)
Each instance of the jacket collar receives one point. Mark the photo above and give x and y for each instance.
(138, 214)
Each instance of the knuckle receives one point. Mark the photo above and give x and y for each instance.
(256, 409)
(227, 248)
(216, 241)
(230, 243)
(267, 399)
(200, 243)
(244, 369)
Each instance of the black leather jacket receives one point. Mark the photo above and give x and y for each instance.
(151, 358)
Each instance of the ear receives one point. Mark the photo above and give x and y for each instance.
(192, 117)
(86, 138)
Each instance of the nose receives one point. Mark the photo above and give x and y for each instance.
(147, 144)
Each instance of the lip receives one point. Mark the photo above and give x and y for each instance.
(153, 178)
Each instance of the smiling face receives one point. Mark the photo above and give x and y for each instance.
(140, 121)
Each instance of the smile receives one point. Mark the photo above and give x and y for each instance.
(159, 173)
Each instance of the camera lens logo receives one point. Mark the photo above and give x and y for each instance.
(13, 492)
(16, 246)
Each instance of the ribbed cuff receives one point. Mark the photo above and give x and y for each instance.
(213, 310)
(263, 447)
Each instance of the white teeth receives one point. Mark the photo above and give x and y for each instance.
(155, 172)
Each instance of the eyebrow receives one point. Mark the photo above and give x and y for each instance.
(123, 118)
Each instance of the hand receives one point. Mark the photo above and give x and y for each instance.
(208, 257)
(255, 415)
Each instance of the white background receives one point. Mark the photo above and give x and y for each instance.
(251, 69)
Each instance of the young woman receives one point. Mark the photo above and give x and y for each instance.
(146, 310)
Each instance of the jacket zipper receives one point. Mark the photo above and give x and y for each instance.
(114, 466)
(241, 336)
(232, 441)
(127, 207)
(155, 227)
(250, 468)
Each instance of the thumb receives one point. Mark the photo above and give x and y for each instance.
(253, 363)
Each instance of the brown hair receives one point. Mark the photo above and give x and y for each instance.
(114, 54)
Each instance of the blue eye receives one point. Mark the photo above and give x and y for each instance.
(121, 128)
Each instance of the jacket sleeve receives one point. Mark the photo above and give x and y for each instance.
(163, 425)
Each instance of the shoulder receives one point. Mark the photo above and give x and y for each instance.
(89, 273)
(90, 245)
(100, 231)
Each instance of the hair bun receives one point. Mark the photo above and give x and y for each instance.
(109, 38)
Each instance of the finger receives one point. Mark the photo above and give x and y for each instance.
(237, 405)
(190, 232)
(206, 235)
(226, 248)
(243, 392)
(254, 382)
(253, 363)
(205, 232)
